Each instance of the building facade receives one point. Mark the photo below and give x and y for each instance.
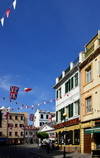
(78, 96)
(68, 101)
(42, 117)
(12, 127)
(90, 95)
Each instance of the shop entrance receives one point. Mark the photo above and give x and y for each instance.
(87, 143)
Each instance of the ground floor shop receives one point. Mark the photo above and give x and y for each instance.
(78, 136)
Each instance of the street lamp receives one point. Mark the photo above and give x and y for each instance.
(64, 114)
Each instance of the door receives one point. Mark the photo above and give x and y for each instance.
(87, 143)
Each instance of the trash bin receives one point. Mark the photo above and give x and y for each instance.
(95, 153)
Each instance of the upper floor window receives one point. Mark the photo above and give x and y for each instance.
(41, 116)
(10, 133)
(47, 117)
(88, 74)
(16, 117)
(58, 93)
(21, 133)
(77, 108)
(10, 117)
(88, 104)
(16, 133)
(16, 125)
(21, 118)
(76, 79)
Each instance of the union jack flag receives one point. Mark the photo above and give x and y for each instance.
(31, 117)
(13, 92)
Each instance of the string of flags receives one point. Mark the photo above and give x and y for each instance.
(7, 13)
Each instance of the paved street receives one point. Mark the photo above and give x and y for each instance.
(32, 151)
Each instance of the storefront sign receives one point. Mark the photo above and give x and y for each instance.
(71, 122)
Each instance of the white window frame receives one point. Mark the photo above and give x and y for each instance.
(88, 74)
(88, 105)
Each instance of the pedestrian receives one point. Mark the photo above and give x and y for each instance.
(50, 144)
(40, 146)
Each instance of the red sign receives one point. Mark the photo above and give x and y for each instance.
(67, 123)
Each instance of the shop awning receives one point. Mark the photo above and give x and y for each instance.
(93, 130)
(3, 139)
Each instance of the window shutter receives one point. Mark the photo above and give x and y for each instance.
(71, 83)
(71, 110)
(76, 79)
(56, 116)
(57, 94)
(78, 107)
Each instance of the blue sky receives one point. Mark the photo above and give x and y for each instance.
(38, 41)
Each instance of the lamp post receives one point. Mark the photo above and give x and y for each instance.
(64, 114)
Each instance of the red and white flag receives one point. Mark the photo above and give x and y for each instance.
(50, 118)
(8, 12)
(5, 115)
(27, 89)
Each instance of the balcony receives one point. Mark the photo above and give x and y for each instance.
(89, 51)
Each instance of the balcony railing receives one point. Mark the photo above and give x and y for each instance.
(89, 51)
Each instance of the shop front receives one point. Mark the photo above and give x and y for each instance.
(69, 133)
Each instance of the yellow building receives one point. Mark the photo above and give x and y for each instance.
(90, 96)
(12, 127)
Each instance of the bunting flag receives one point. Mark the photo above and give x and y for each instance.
(50, 118)
(8, 12)
(14, 4)
(5, 115)
(13, 92)
(34, 105)
(27, 89)
(31, 117)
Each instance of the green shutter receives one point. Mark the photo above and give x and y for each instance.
(71, 109)
(78, 107)
(76, 79)
(71, 83)
(56, 116)
(57, 94)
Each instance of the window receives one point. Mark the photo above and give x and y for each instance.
(10, 117)
(16, 133)
(58, 93)
(26, 133)
(41, 116)
(88, 104)
(10, 133)
(16, 117)
(70, 110)
(21, 133)
(0, 133)
(16, 125)
(41, 123)
(67, 86)
(21, 125)
(76, 137)
(62, 112)
(88, 74)
(21, 118)
(76, 79)
(77, 108)
(71, 83)
(69, 137)
(46, 116)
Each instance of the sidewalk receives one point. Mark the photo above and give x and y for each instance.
(57, 154)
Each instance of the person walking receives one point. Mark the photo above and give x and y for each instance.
(50, 144)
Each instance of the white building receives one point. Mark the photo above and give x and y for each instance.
(42, 117)
(67, 89)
